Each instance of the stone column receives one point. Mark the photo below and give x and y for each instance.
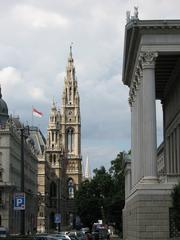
(128, 178)
(149, 115)
(132, 105)
(132, 102)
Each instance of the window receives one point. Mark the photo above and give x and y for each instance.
(54, 159)
(53, 189)
(70, 189)
(70, 139)
(50, 158)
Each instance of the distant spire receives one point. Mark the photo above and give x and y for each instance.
(87, 173)
(70, 52)
(53, 104)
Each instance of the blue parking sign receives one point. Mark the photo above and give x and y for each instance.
(57, 218)
(19, 201)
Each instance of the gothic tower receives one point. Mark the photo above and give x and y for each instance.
(63, 149)
(54, 169)
(71, 128)
(54, 146)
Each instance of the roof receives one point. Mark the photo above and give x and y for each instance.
(38, 138)
(133, 33)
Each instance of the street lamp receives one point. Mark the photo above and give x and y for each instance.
(102, 208)
(24, 133)
(59, 195)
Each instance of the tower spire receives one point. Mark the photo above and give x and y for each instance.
(71, 50)
(87, 173)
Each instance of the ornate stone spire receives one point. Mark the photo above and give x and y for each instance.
(70, 93)
(87, 173)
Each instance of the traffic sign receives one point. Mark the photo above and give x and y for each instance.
(57, 218)
(19, 201)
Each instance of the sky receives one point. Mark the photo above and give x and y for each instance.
(34, 47)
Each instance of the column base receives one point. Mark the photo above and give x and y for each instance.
(146, 212)
(149, 180)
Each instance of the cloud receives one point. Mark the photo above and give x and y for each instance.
(37, 93)
(38, 18)
(10, 77)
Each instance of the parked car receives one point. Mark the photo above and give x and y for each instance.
(61, 236)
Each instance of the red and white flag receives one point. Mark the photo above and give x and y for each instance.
(36, 113)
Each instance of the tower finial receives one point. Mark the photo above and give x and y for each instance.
(71, 49)
(136, 12)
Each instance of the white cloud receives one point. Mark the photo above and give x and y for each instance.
(37, 93)
(10, 76)
(39, 18)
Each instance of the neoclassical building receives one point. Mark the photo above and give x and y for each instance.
(63, 148)
(151, 70)
(11, 177)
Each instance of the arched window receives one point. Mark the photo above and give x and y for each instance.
(70, 93)
(70, 139)
(70, 188)
(50, 158)
(53, 189)
(54, 159)
(52, 136)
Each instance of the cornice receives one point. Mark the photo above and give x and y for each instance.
(133, 33)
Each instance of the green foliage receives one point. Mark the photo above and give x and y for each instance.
(103, 196)
(176, 205)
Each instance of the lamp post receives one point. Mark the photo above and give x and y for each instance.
(59, 195)
(24, 132)
(102, 208)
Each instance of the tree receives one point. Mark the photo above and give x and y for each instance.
(90, 196)
(103, 196)
(116, 204)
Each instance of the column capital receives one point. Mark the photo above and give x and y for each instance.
(148, 59)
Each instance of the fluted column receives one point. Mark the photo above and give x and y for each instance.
(149, 114)
(131, 102)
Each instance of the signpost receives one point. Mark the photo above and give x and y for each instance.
(57, 218)
(19, 201)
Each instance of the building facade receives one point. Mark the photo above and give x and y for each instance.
(11, 174)
(151, 71)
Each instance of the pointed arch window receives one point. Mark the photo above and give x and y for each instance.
(70, 139)
(53, 189)
(54, 159)
(70, 94)
(50, 158)
(70, 188)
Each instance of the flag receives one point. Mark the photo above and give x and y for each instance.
(36, 113)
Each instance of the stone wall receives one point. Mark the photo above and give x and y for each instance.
(146, 215)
